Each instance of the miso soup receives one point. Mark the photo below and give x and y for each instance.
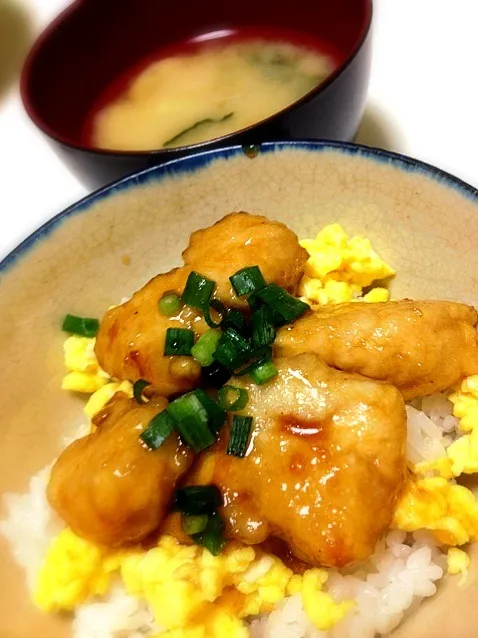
(220, 87)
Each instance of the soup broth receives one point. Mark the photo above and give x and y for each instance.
(216, 89)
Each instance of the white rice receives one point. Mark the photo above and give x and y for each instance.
(28, 512)
(119, 616)
(402, 572)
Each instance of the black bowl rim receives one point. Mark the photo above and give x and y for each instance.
(193, 162)
(163, 153)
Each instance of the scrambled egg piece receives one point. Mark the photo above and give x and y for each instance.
(183, 584)
(458, 562)
(85, 374)
(339, 268)
(465, 403)
(73, 570)
(436, 467)
(462, 454)
(192, 593)
(320, 607)
(101, 397)
(448, 510)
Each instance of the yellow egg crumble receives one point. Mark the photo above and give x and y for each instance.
(190, 591)
(465, 403)
(448, 510)
(339, 268)
(85, 374)
(458, 562)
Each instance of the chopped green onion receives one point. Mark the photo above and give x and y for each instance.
(232, 398)
(235, 319)
(220, 308)
(214, 375)
(232, 350)
(212, 538)
(138, 388)
(179, 341)
(191, 419)
(169, 304)
(158, 430)
(261, 355)
(83, 326)
(262, 372)
(205, 347)
(216, 414)
(198, 290)
(247, 281)
(282, 302)
(194, 524)
(255, 304)
(239, 435)
(196, 500)
(263, 329)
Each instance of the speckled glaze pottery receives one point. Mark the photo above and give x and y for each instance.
(421, 220)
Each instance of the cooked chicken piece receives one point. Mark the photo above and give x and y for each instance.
(239, 240)
(130, 342)
(421, 347)
(107, 486)
(324, 466)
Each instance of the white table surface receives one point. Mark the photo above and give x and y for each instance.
(423, 101)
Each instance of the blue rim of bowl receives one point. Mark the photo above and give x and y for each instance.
(197, 161)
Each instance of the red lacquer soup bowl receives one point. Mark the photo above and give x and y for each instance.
(92, 45)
